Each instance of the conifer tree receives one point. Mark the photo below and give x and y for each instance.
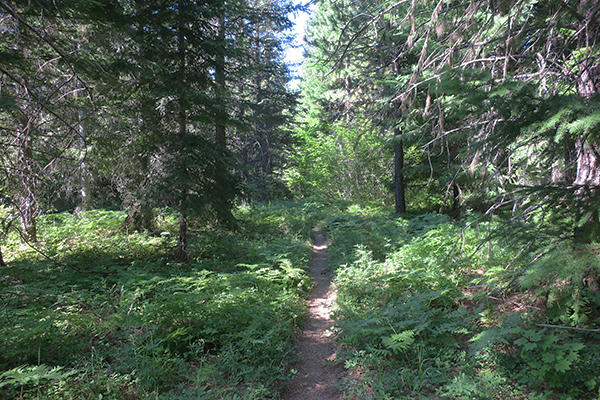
(515, 81)
(179, 48)
(344, 121)
(263, 102)
(44, 98)
(142, 95)
(497, 94)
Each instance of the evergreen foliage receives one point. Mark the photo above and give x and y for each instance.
(495, 102)
(118, 104)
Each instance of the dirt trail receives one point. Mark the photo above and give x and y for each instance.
(317, 374)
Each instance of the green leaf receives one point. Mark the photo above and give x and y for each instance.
(530, 346)
(521, 341)
(577, 346)
(548, 357)
(562, 365)
(32, 375)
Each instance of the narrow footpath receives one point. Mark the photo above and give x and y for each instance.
(317, 374)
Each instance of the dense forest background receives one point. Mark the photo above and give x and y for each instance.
(160, 178)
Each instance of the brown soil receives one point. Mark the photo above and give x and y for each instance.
(317, 371)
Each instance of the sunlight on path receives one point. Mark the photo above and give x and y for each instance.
(317, 374)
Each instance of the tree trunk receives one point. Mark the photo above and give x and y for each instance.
(27, 202)
(588, 85)
(182, 253)
(220, 134)
(265, 167)
(85, 191)
(399, 191)
(588, 167)
(456, 200)
(183, 221)
(28, 209)
(570, 163)
(142, 216)
(2, 263)
(262, 135)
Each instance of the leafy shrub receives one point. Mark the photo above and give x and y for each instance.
(540, 357)
(554, 360)
(398, 314)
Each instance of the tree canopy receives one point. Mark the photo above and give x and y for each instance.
(485, 105)
(144, 103)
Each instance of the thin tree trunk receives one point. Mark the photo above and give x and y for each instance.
(399, 190)
(265, 167)
(142, 214)
(347, 89)
(86, 184)
(456, 199)
(220, 133)
(262, 136)
(2, 263)
(588, 85)
(182, 253)
(570, 162)
(85, 191)
(28, 208)
(27, 203)
(182, 239)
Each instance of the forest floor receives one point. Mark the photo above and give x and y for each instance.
(317, 370)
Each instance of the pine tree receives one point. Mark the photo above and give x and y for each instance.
(179, 49)
(44, 97)
(495, 94)
(264, 103)
(344, 111)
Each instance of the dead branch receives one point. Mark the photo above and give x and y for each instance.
(568, 327)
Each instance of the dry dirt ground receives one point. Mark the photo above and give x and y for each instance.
(317, 373)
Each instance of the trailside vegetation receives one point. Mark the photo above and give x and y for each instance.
(427, 306)
(433, 308)
(99, 312)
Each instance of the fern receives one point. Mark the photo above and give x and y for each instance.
(567, 278)
(33, 375)
(399, 341)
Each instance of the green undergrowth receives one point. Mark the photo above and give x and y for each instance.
(96, 312)
(430, 308)
(427, 307)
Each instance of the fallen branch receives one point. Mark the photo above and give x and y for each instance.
(514, 302)
(568, 327)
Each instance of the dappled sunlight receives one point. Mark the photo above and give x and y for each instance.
(316, 375)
